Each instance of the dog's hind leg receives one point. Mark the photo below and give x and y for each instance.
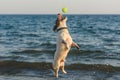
(62, 64)
(56, 66)
(56, 72)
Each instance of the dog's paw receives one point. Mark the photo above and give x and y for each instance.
(64, 72)
(56, 75)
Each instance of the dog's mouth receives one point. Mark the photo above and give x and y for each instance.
(59, 16)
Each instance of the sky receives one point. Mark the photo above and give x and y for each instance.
(55, 6)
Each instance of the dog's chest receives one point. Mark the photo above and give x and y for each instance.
(64, 35)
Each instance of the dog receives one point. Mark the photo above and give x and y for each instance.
(64, 43)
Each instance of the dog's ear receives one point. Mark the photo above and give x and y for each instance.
(57, 23)
(54, 28)
(65, 18)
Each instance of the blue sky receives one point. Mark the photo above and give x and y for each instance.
(55, 6)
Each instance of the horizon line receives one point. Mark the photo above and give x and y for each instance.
(57, 13)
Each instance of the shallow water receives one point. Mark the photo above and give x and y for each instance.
(72, 75)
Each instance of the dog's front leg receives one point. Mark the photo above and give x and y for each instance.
(66, 44)
(75, 45)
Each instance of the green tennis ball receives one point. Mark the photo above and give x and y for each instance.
(65, 10)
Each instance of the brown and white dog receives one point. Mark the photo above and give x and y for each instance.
(64, 43)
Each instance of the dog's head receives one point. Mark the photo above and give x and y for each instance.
(59, 20)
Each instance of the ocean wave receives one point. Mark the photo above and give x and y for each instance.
(15, 65)
(52, 51)
(31, 51)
